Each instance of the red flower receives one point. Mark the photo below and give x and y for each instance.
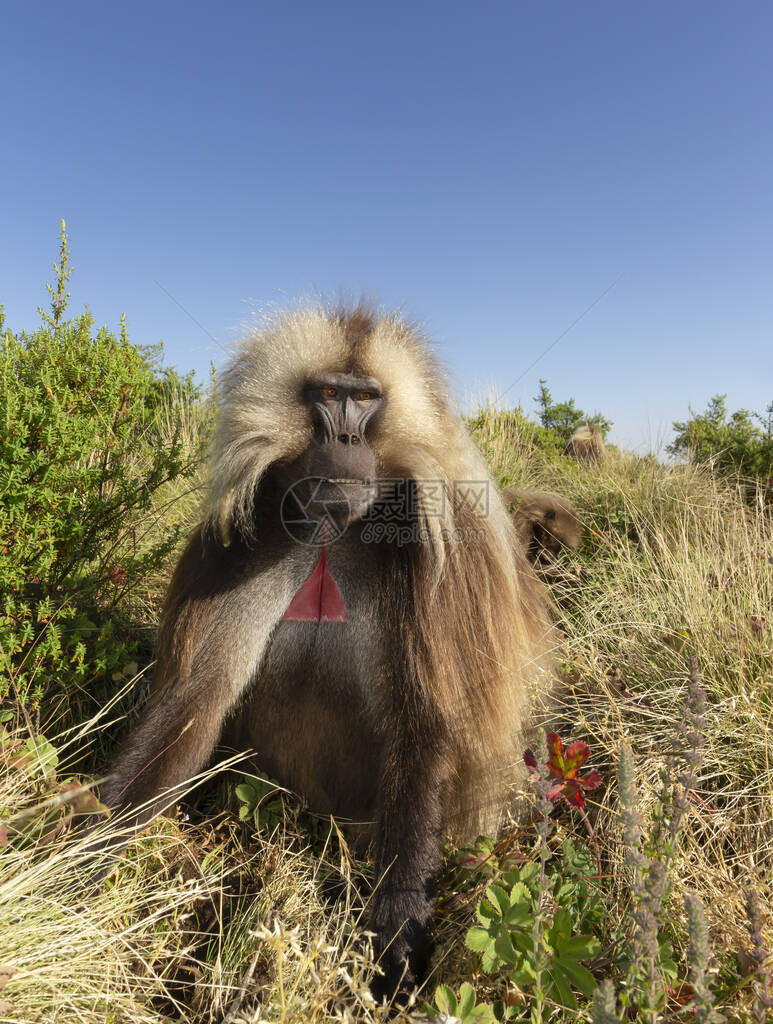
(118, 576)
(564, 767)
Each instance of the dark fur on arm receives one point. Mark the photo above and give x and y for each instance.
(413, 796)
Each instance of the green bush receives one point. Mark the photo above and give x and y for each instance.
(736, 446)
(86, 440)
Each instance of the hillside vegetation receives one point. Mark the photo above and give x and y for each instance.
(241, 907)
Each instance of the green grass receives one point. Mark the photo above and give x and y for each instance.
(206, 920)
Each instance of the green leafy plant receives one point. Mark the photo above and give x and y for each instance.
(504, 939)
(261, 800)
(86, 443)
(531, 921)
(734, 443)
(489, 857)
(464, 1008)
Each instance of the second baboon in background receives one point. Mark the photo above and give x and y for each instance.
(585, 445)
(544, 522)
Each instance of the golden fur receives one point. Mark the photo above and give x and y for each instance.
(585, 445)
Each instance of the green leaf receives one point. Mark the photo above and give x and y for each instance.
(520, 894)
(578, 947)
(42, 754)
(520, 916)
(482, 1014)
(445, 1000)
(530, 873)
(477, 939)
(580, 977)
(499, 898)
(489, 961)
(562, 992)
(524, 975)
(466, 1000)
(522, 940)
(511, 877)
(504, 948)
(485, 912)
(561, 928)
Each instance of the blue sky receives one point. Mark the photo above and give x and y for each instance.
(493, 168)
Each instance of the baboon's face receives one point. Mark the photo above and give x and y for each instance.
(545, 546)
(336, 475)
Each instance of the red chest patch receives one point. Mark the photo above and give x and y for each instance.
(318, 599)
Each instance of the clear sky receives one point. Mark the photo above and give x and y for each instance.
(491, 167)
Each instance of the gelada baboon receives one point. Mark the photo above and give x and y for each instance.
(544, 522)
(585, 445)
(382, 671)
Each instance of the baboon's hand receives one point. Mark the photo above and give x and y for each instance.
(402, 943)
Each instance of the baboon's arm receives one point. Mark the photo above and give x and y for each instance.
(409, 840)
(214, 633)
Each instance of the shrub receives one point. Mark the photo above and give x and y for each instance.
(736, 445)
(81, 458)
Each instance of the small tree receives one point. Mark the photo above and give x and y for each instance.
(735, 444)
(564, 417)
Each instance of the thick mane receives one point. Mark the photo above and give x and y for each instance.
(586, 444)
(479, 637)
(586, 433)
(261, 417)
(472, 614)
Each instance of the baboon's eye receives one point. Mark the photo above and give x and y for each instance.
(329, 392)
(365, 396)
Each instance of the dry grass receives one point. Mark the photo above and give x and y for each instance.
(208, 922)
(195, 921)
(674, 562)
